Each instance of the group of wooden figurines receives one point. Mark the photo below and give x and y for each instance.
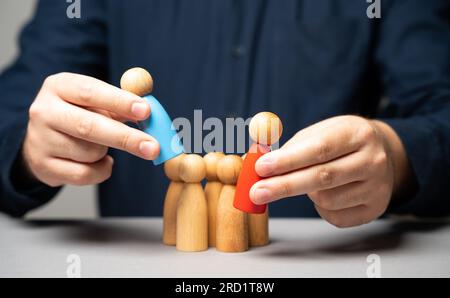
(222, 214)
(196, 218)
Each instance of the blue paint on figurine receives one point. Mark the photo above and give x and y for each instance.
(159, 125)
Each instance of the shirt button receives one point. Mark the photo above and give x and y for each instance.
(238, 51)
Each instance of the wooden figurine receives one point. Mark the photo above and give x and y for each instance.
(258, 227)
(138, 81)
(232, 224)
(158, 125)
(192, 211)
(212, 192)
(265, 129)
(172, 171)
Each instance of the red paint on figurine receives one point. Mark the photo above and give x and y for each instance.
(247, 178)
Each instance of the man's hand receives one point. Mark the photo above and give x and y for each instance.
(73, 121)
(349, 166)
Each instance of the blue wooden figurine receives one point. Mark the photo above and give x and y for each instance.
(158, 125)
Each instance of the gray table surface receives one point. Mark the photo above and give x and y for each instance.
(299, 248)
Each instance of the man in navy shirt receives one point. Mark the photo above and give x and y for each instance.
(365, 102)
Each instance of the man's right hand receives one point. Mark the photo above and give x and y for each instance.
(73, 121)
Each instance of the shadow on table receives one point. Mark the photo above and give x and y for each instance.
(392, 237)
(100, 232)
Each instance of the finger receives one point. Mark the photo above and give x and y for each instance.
(67, 147)
(315, 129)
(110, 115)
(342, 197)
(73, 173)
(90, 92)
(96, 128)
(317, 149)
(338, 172)
(350, 217)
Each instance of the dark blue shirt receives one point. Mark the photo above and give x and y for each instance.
(304, 60)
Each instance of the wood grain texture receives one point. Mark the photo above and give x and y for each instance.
(265, 128)
(192, 219)
(170, 212)
(212, 194)
(232, 224)
(192, 168)
(258, 229)
(138, 81)
(211, 160)
(228, 169)
(192, 211)
(172, 171)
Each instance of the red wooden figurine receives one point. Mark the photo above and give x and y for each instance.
(265, 129)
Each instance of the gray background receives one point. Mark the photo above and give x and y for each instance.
(72, 202)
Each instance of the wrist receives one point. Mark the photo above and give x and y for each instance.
(403, 175)
(22, 176)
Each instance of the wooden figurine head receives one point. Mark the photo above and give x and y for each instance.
(211, 160)
(265, 128)
(172, 168)
(192, 168)
(228, 169)
(138, 81)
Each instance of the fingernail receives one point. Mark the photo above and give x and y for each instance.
(147, 149)
(261, 196)
(139, 109)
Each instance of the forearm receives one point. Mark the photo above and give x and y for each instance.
(426, 140)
